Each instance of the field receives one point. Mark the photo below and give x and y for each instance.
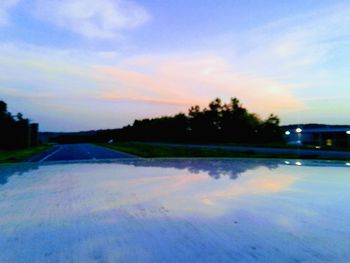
(21, 155)
(148, 150)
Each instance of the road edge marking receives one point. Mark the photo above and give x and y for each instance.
(48, 156)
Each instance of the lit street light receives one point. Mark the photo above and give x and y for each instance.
(298, 131)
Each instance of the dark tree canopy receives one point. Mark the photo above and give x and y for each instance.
(16, 131)
(219, 122)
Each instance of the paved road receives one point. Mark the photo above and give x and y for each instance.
(301, 152)
(70, 152)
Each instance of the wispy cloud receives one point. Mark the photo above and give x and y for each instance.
(46, 84)
(5, 7)
(307, 53)
(34, 69)
(93, 19)
(295, 45)
(186, 80)
(289, 67)
(114, 97)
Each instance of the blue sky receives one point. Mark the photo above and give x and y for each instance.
(86, 64)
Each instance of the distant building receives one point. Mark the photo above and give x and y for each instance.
(317, 135)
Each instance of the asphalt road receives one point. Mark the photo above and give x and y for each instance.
(71, 152)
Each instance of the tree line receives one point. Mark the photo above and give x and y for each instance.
(16, 132)
(219, 122)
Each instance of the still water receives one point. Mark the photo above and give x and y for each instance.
(175, 210)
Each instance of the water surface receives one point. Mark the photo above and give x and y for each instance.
(175, 210)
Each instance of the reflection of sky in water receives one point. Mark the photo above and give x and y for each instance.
(175, 210)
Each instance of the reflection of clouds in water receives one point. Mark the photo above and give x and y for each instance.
(259, 184)
(134, 210)
(215, 168)
(182, 186)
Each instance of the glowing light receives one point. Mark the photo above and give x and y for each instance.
(347, 164)
(298, 130)
(287, 133)
(317, 147)
(348, 132)
(298, 163)
(286, 162)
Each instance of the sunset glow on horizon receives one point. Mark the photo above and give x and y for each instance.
(76, 65)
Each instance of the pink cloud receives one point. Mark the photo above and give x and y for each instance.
(189, 80)
(115, 97)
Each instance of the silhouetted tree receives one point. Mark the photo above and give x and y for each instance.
(15, 132)
(229, 122)
(269, 129)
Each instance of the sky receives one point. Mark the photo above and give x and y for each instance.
(76, 65)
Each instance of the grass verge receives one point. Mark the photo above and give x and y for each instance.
(148, 150)
(12, 156)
